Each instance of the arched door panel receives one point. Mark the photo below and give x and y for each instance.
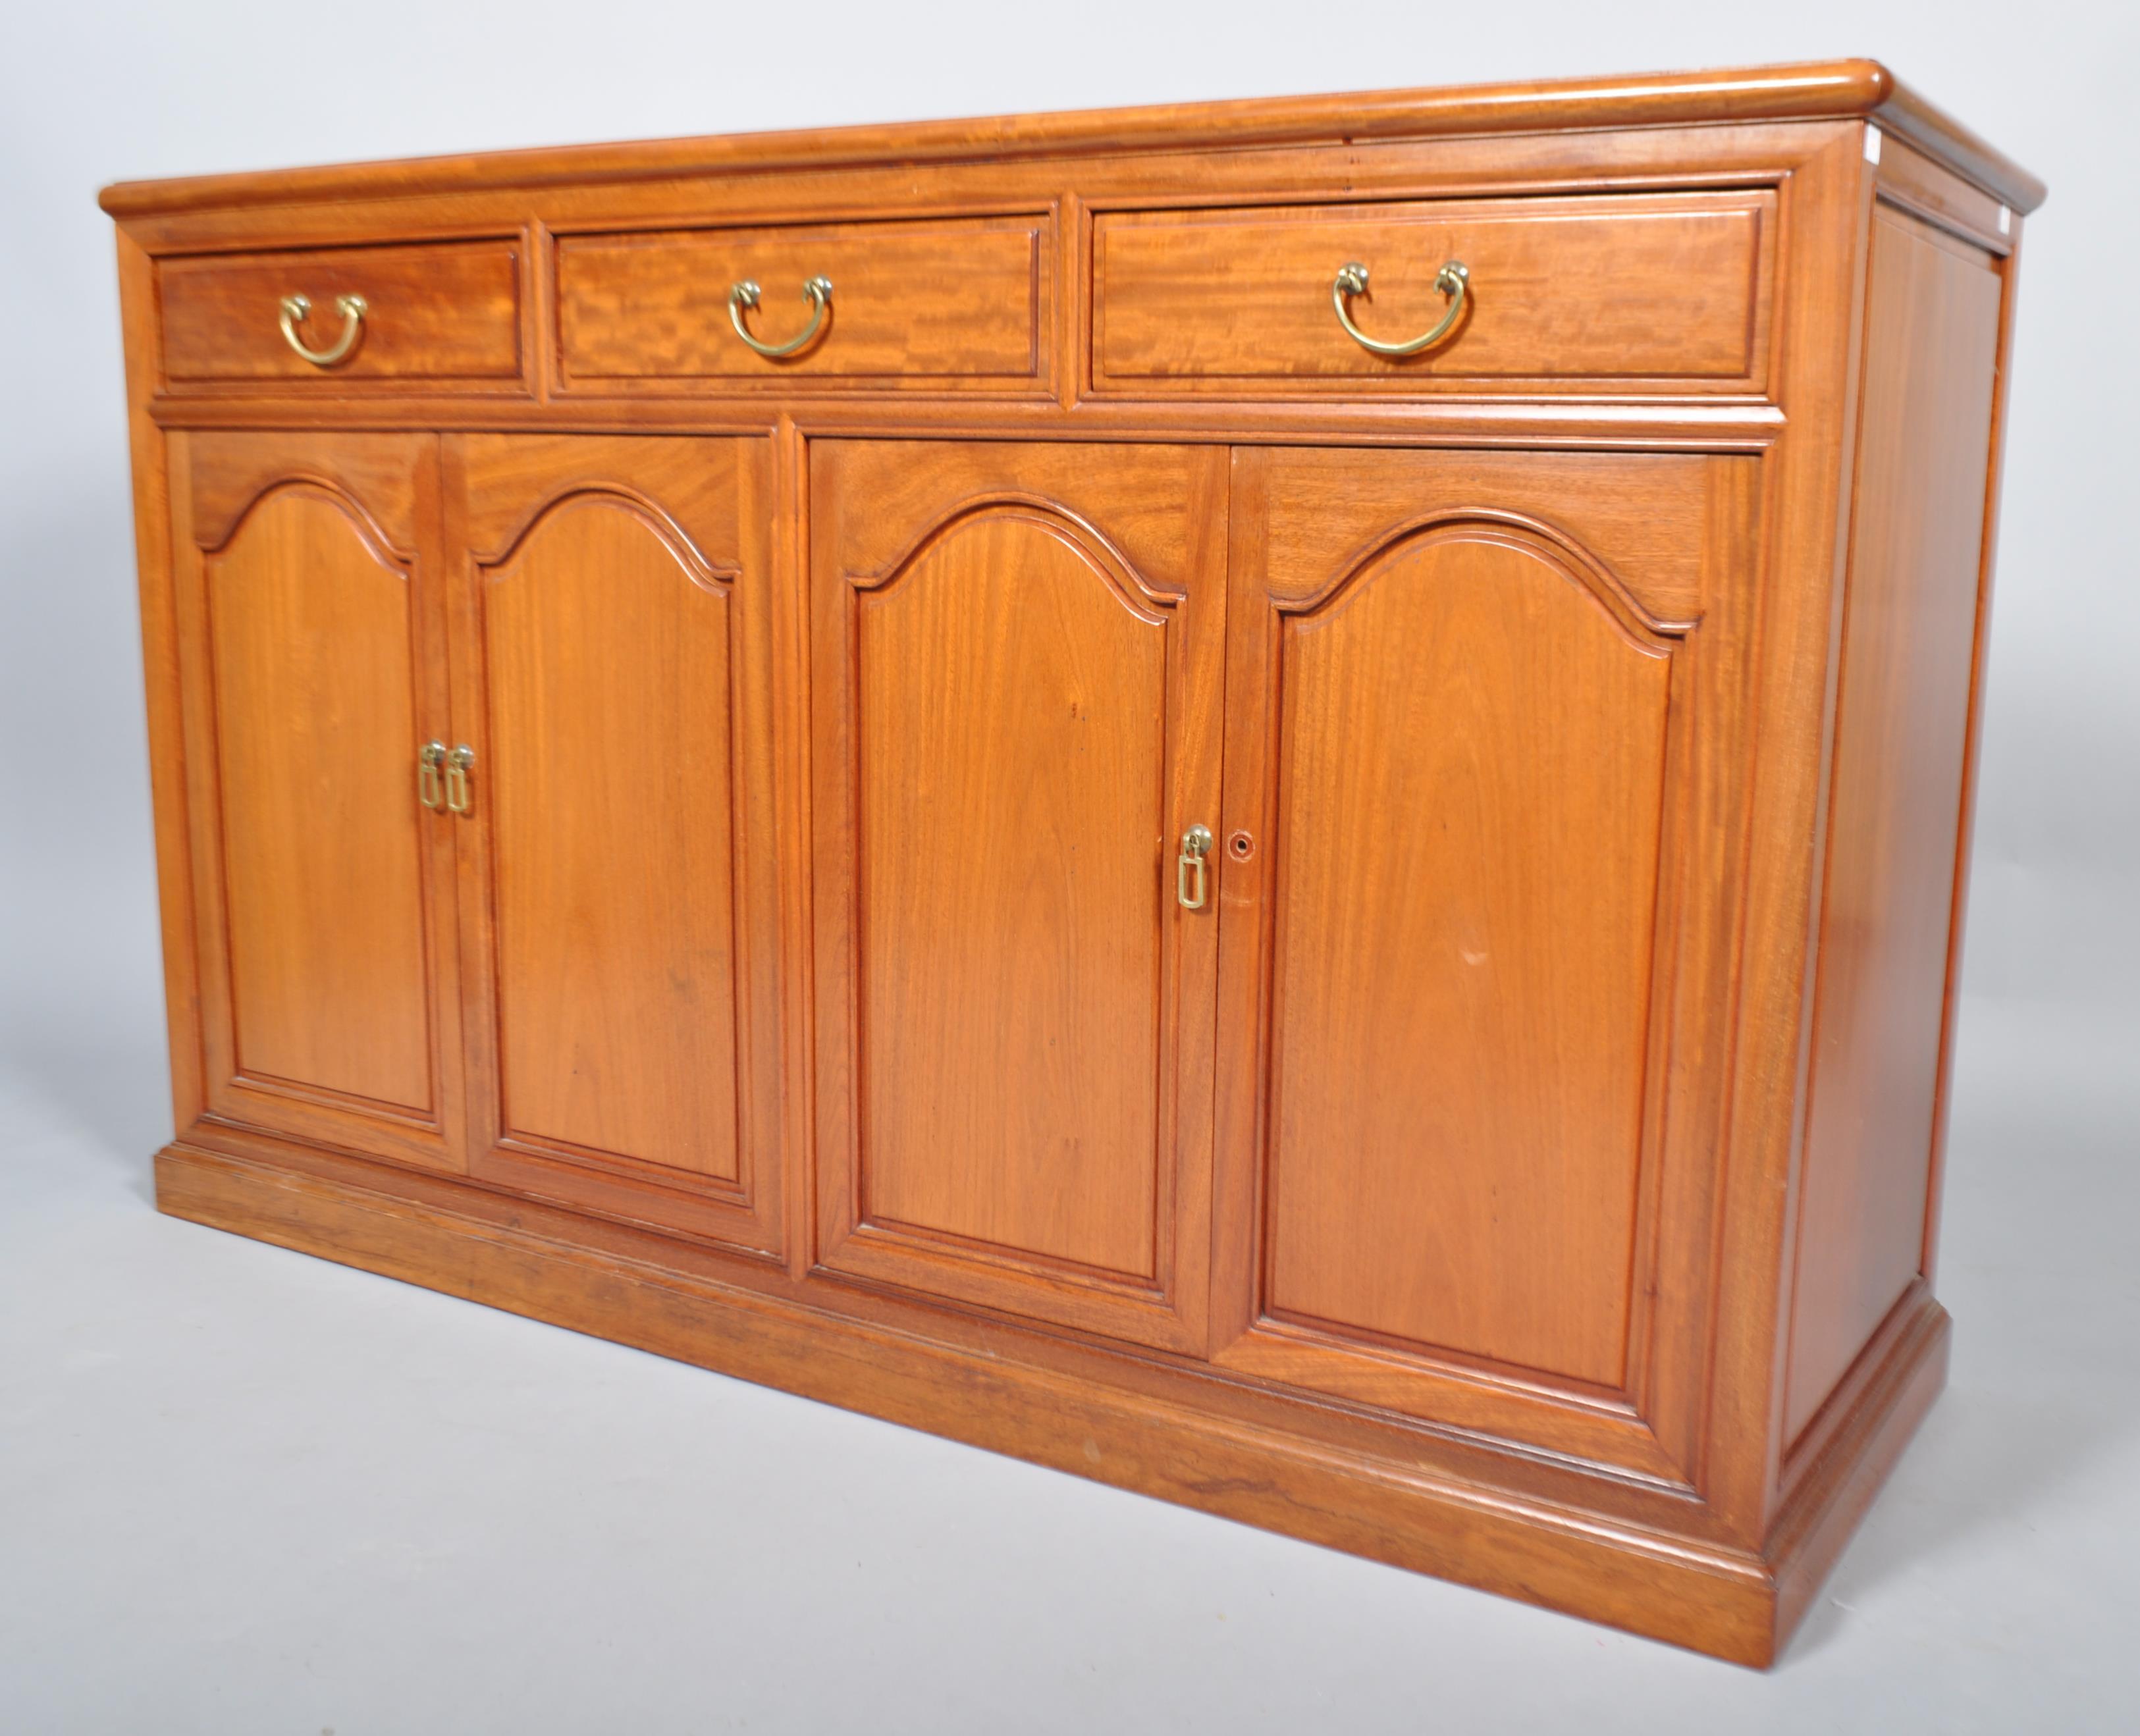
(1017, 653)
(309, 628)
(616, 612)
(1474, 824)
(1472, 763)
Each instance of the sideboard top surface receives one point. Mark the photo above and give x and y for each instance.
(1814, 91)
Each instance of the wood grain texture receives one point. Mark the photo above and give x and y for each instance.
(1973, 754)
(325, 908)
(1471, 774)
(154, 559)
(1016, 719)
(1904, 1369)
(803, 991)
(310, 625)
(1887, 913)
(1650, 519)
(1013, 791)
(607, 645)
(1908, 180)
(1460, 882)
(1671, 295)
(912, 303)
(615, 612)
(1795, 614)
(1813, 91)
(441, 315)
(1159, 1440)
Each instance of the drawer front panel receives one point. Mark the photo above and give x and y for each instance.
(435, 315)
(1608, 292)
(933, 303)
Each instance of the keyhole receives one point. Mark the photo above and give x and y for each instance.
(1241, 846)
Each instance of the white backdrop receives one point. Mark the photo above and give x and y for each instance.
(239, 1490)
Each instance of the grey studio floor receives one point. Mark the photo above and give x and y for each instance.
(241, 1490)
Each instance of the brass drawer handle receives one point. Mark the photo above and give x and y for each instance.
(1453, 280)
(818, 293)
(1192, 872)
(353, 309)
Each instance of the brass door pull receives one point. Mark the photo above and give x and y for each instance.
(817, 291)
(1192, 872)
(1453, 280)
(429, 789)
(353, 309)
(457, 765)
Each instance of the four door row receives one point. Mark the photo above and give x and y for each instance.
(1254, 901)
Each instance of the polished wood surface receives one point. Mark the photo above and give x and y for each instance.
(912, 303)
(1849, 90)
(1049, 1402)
(1671, 295)
(1019, 653)
(609, 775)
(1460, 921)
(1523, 1165)
(616, 613)
(442, 316)
(308, 593)
(1460, 993)
(1888, 907)
(310, 637)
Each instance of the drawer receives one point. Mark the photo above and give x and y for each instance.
(434, 315)
(932, 304)
(1613, 293)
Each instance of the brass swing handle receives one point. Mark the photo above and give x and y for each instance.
(353, 309)
(458, 763)
(817, 291)
(1192, 870)
(430, 789)
(1453, 280)
(442, 778)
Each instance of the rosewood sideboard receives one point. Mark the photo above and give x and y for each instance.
(1268, 800)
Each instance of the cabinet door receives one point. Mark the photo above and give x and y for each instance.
(1017, 654)
(613, 659)
(1481, 715)
(311, 632)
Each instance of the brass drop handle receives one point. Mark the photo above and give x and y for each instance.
(1453, 280)
(353, 309)
(457, 765)
(430, 787)
(1192, 872)
(817, 291)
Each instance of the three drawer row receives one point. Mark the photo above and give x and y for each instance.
(1662, 293)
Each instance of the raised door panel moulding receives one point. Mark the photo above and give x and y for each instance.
(1016, 714)
(614, 655)
(306, 600)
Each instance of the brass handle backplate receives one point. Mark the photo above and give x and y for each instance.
(430, 787)
(818, 293)
(1192, 870)
(1453, 280)
(353, 309)
(458, 763)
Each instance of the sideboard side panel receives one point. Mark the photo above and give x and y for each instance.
(159, 669)
(1896, 797)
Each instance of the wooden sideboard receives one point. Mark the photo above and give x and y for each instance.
(912, 763)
